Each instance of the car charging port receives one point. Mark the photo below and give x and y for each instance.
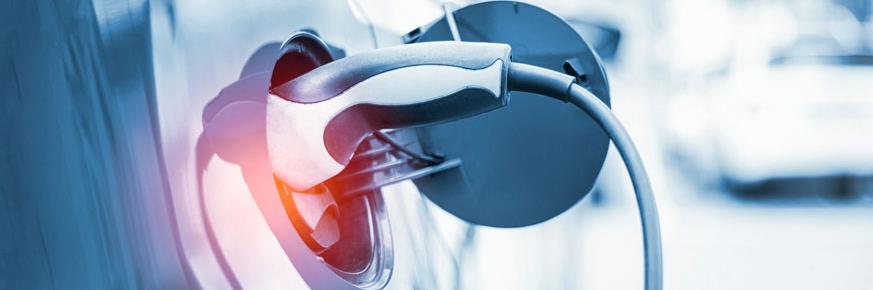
(343, 220)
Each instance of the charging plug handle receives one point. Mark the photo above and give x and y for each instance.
(317, 120)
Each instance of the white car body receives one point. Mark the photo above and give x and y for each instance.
(789, 120)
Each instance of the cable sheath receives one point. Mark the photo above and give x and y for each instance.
(549, 83)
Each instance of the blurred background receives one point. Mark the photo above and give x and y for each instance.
(754, 119)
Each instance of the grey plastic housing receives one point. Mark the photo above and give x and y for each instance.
(328, 81)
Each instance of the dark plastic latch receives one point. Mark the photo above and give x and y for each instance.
(412, 36)
(574, 68)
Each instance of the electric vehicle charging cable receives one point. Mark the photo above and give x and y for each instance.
(316, 121)
(533, 79)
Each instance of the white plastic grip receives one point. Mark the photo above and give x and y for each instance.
(312, 139)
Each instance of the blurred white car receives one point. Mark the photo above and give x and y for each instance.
(796, 117)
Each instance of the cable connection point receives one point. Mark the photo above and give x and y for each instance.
(534, 79)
